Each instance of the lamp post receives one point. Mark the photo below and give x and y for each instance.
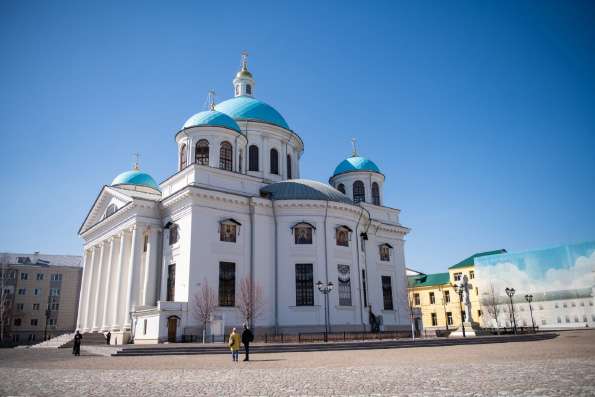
(325, 288)
(459, 289)
(529, 299)
(510, 292)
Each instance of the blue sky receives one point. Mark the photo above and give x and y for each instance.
(481, 115)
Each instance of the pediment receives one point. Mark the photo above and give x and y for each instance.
(116, 199)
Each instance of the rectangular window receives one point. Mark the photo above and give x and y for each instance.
(34, 321)
(387, 293)
(171, 282)
(20, 306)
(344, 285)
(449, 318)
(384, 253)
(36, 306)
(24, 276)
(56, 277)
(17, 322)
(304, 284)
(37, 291)
(302, 234)
(227, 284)
(55, 306)
(432, 299)
(365, 287)
(434, 319)
(471, 274)
(227, 232)
(22, 291)
(39, 276)
(457, 276)
(52, 322)
(54, 291)
(416, 300)
(447, 296)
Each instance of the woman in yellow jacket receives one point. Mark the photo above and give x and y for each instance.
(234, 344)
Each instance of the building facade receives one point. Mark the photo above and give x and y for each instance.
(236, 213)
(39, 296)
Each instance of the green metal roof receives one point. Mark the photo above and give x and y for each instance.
(471, 260)
(428, 280)
(304, 189)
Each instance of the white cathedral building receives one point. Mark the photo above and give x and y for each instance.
(236, 209)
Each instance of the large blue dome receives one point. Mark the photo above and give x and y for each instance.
(135, 177)
(356, 163)
(248, 108)
(212, 118)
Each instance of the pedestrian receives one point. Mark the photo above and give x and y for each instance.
(108, 337)
(76, 348)
(247, 337)
(234, 344)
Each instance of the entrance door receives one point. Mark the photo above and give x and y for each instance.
(172, 326)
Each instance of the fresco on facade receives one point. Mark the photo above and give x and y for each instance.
(560, 279)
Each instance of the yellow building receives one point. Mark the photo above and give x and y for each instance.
(436, 297)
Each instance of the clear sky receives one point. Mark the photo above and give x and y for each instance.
(480, 114)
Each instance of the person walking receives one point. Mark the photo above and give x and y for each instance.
(108, 337)
(247, 337)
(76, 348)
(234, 344)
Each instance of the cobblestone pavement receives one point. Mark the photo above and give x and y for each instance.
(564, 366)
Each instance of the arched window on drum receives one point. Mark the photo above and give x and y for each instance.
(202, 152)
(226, 156)
(375, 193)
(359, 192)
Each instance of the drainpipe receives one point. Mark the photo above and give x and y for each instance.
(359, 272)
(275, 271)
(326, 262)
(252, 227)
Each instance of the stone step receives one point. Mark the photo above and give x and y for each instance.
(154, 350)
(89, 338)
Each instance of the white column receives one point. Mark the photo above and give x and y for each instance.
(149, 283)
(133, 271)
(108, 290)
(89, 292)
(98, 287)
(115, 308)
(82, 295)
(164, 263)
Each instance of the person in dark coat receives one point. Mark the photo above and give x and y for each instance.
(247, 337)
(108, 337)
(76, 348)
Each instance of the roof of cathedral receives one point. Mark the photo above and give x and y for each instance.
(471, 260)
(136, 177)
(212, 118)
(304, 189)
(356, 163)
(248, 108)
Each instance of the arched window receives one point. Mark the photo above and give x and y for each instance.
(274, 162)
(375, 194)
(183, 158)
(237, 90)
(248, 89)
(253, 158)
(111, 209)
(289, 167)
(226, 156)
(359, 191)
(202, 152)
(240, 161)
(341, 188)
(174, 236)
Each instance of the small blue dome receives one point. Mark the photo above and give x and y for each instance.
(356, 163)
(212, 118)
(135, 177)
(247, 108)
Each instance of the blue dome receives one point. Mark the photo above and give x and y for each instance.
(135, 177)
(212, 118)
(356, 163)
(247, 108)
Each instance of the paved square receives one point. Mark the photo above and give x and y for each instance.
(564, 366)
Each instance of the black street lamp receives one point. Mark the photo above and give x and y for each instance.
(459, 288)
(529, 298)
(510, 292)
(325, 289)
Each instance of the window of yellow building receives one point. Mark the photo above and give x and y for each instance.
(432, 298)
(434, 319)
(416, 299)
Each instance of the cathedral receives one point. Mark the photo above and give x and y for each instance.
(237, 217)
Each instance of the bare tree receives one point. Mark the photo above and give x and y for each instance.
(490, 305)
(205, 302)
(250, 300)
